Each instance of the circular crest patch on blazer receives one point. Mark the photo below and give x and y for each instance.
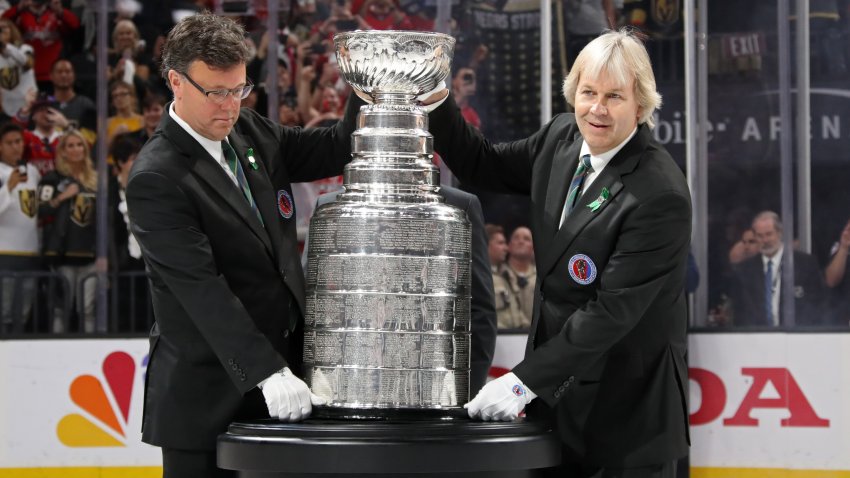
(582, 269)
(284, 204)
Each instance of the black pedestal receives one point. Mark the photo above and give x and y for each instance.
(319, 448)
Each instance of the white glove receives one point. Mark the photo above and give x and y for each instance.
(288, 397)
(441, 88)
(501, 399)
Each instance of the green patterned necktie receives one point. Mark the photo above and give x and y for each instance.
(584, 168)
(236, 168)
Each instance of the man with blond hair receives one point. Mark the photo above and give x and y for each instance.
(611, 220)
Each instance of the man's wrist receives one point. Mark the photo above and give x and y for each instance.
(282, 372)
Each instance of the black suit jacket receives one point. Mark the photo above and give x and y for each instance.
(482, 306)
(606, 351)
(227, 290)
(810, 297)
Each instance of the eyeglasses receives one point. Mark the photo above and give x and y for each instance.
(218, 96)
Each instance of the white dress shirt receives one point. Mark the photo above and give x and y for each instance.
(598, 163)
(212, 147)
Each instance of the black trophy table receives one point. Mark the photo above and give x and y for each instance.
(329, 448)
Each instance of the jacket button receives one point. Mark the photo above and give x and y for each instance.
(557, 394)
(230, 361)
(283, 274)
(572, 379)
(286, 334)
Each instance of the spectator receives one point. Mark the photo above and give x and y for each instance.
(463, 89)
(382, 14)
(125, 58)
(746, 247)
(329, 110)
(43, 23)
(288, 112)
(41, 140)
(134, 310)
(19, 248)
(836, 278)
(508, 314)
(152, 109)
(343, 18)
(421, 14)
(16, 74)
(757, 289)
(497, 247)
(124, 149)
(520, 274)
(584, 21)
(126, 118)
(78, 109)
(127, 47)
(68, 210)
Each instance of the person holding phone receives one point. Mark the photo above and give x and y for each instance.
(19, 247)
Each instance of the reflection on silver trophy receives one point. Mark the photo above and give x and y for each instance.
(388, 274)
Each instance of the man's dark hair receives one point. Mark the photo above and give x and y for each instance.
(152, 99)
(10, 127)
(123, 146)
(61, 60)
(215, 40)
(492, 230)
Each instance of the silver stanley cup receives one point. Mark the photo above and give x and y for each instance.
(388, 271)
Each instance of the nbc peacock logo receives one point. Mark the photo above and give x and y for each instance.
(103, 421)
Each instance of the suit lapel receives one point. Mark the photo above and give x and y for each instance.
(286, 252)
(261, 189)
(610, 178)
(563, 168)
(209, 171)
(581, 215)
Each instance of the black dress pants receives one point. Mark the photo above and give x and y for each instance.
(192, 464)
(576, 470)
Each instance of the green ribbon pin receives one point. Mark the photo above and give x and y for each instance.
(251, 158)
(603, 196)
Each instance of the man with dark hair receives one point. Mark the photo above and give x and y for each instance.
(211, 206)
(19, 244)
(152, 110)
(79, 110)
